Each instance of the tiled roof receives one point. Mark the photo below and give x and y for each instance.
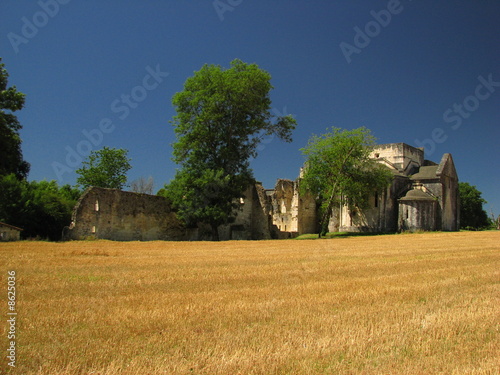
(9, 226)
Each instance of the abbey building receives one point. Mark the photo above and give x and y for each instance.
(423, 196)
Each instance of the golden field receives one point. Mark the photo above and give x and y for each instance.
(394, 304)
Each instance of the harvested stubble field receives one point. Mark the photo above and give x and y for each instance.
(395, 304)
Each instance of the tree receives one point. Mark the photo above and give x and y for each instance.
(12, 202)
(11, 157)
(338, 169)
(106, 168)
(472, 215)
(48, 209)
(143, 185)
(42, 208)
(222, 116)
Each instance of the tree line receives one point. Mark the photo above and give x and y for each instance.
(222, 116)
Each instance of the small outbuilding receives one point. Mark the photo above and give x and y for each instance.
(9, 232)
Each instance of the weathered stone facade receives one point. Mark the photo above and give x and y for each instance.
(9, 232)
(123, 216)
(293, 212)
(422, 196)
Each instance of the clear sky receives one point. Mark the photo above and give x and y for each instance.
(102, 73)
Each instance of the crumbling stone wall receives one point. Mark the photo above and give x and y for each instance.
(307, 215)
(124, 216)
(283, 211)
(252, 221)
(293, 213)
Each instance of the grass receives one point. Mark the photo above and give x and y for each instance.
(412, 304)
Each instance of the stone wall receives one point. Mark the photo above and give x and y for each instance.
(9, 232)
(252, 220)
(283, 212)
(292, 213)
(307, 215)
(381, 216)
(417, 210)
(417, 215)
(124, 216)
(401, 156)
(450, 204)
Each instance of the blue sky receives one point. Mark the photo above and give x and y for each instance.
(422, 72)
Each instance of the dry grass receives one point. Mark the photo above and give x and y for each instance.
(399, 304)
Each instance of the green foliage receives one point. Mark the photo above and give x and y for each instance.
(106, 168)
(206, 196)
(222, 116)
(12, 194)
(11, 157)
(472, 215)
(338, 169)
(41, 208)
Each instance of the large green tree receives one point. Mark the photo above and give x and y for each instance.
(222, 116)
(11, 157)
(472, 215)
(338, 169)
(105, 168)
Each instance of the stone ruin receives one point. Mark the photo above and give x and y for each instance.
(422, 196)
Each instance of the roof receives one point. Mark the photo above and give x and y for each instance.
(417, 195)
(425, 173)
(10, 226)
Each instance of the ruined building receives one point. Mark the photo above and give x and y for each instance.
(422, 196)
(125, 216)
